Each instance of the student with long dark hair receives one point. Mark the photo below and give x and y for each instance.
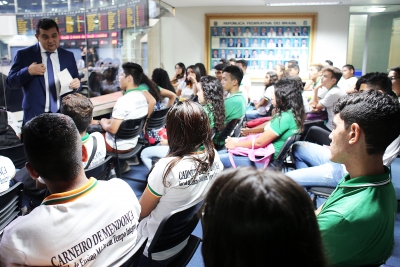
(190, 151)
(188, 88)
(259, 218)
(161, 78)
(288, 120)
(202, 69)
(179, 76)
(211, 98)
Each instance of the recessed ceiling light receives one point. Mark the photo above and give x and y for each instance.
(304, 4)
(376, 9)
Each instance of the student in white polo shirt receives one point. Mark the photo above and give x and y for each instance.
(84, 221)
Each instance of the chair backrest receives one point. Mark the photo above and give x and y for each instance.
(238, 127)
(101, 171)
(131, 259)
(308, 124)
(227, 131)
(10, 204)
(130, 128)
(318, 136)
(175, 228)
(157, 119)
(16, 154)
(285, 150)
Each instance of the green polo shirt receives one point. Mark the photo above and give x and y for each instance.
(357, 221)
(210, 114)
(235, 106)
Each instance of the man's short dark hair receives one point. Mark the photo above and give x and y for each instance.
(79, 108)
(375, 81)
(235, 72)
(224, 61)
(219, 67)
(295, 67)
(329, 62)
(53, 146)
(46, 24)
(232, 60)
(292, 61)
(376, 113)
(243, 62)
(350, 67)
(335, 72)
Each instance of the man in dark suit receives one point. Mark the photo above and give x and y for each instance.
(35, 70)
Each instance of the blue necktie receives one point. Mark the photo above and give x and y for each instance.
(52, 84)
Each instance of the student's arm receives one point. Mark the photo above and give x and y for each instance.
(148, 201)
(261, 141)
(262, 102)
(307, 87)
(111, 125)
(171, 96)
(150, 101)
(314, 102)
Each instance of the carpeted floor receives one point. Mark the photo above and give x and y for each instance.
(136, 178)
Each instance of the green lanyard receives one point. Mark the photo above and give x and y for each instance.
(85, 138)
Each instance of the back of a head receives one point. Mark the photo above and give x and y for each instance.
(259, 218)
(79, 108)
(375, 81)
(376, 113)
(330, 63)
(235, 72)
(161, 78)
(224, 61)
(202, 69)
(288, 97)
(214, 96)
(219, 67)
(53, 146)
(243, 62)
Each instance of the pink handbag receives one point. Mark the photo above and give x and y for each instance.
(264, 153)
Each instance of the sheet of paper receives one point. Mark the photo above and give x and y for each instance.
(65, 79)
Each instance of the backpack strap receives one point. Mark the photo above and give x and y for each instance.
(93, 152)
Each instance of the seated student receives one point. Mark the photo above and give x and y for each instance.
(288, 120)
(81, 216)
(394, 76)
(330, 77)
(211, 98)
(245, 208)
(131, 105)
(235, 103)
(262, 108)
(348, 81)
(357, 220)
(188, 88)
(169, 187)
(7, 172)
(10, 129)
(313, 167)
(80, 109)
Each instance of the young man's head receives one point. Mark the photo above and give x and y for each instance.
(218, 71)
(232, 61)
(375, 81)
(48, 34)
(329, 63)
(231, 78)
(330, 77)
(293, 70)
(364, 123)
(53, 148)
(131, 76)
(79, 108)
(348, 71)
(242, 64)
(394, 76)
(315, 71)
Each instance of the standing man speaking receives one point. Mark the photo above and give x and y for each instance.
(35, 70)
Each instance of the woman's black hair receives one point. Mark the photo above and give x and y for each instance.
(259, 218)
(161, 78)
(288, 97)
(180, 76)
(188, 129)
(136, 71)
(214, 95)
(202, 69)
(273, 78)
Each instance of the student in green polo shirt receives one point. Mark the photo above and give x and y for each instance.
(235, 103)
(357, 220)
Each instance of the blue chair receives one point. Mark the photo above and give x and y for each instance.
(131, 259)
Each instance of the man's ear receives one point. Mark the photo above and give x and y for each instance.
(85, 156)
(355, 133)
(32, 172)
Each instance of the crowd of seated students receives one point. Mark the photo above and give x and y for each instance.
(355, 165)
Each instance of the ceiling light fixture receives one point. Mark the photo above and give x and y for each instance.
(376, 9)
(304, 4)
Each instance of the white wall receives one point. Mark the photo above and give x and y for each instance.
(189, 31)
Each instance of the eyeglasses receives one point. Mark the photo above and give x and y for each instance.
(393, 78)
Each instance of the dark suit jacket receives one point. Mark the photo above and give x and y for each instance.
(34, 87)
